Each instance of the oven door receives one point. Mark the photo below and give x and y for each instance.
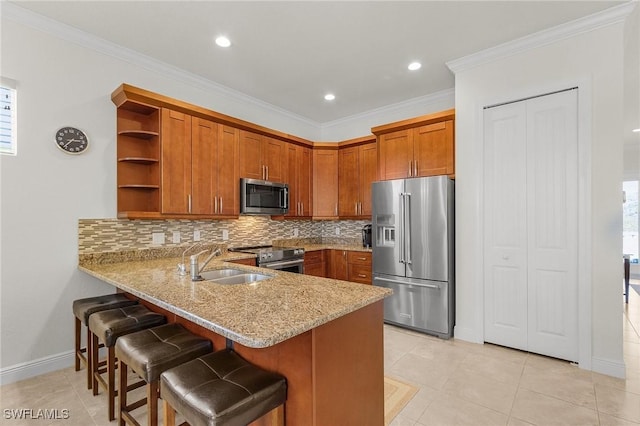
(295, 265)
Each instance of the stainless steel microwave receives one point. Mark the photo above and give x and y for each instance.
(263, 197)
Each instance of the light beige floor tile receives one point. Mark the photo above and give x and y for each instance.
(630, 384)
(419, 403)
(607, 420)
(540, 409)
(450, 410)
(400, 420)
(481, 390)
(494, 368)
(566, 384)
(618, 403)
(416, 369)
(517, 422)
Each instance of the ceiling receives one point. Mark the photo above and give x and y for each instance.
(289, 54)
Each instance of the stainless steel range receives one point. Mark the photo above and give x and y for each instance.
(289, 259)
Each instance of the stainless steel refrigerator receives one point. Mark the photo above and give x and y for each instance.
(413, 252)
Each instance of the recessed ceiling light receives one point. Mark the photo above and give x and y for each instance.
(414, 66)
(636, 130)
(222, 41)
(329, 97)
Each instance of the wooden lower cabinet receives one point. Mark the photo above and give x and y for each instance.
(329, 380)
(248, 262)
(314, 263)
(349, 266)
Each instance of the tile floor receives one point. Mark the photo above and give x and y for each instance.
(459, 384)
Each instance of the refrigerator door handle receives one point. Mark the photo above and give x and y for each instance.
(435, 287)
(401, 235)
(407, 227)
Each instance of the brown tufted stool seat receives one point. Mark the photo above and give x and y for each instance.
(222, 389)
(150, 352)
(82, 309)
(106, 327)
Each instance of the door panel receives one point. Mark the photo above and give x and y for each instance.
(204, 177)
(368, 174)
(348, 182)
(505, 273)
(227, 169)
(176, 161)
(396, 154)
(552, 176)
(427, 228)
(387, 230)
(250, 150)
(433, 149)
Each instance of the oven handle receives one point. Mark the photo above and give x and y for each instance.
(276, 265)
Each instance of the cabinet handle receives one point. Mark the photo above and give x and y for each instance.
(302, 208)
(267, 168)
(410, 167)
(336, 209)
(220, 205)
(415, 168)
(215, 204)
(362, 258)
(356, 205)
(362, 275)
(189, 203)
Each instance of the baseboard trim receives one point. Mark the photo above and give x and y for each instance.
(608, 367)
(466, 334)
(36, 367)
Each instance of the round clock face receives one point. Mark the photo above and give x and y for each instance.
(71, 140)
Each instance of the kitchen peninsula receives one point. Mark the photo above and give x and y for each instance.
(324, 335)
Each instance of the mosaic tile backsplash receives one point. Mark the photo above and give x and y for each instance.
(109, 235)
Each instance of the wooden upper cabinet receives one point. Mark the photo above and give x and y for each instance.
(433, 149)
(261, 157)
(227, 168)
(199, 167)
(298, 176)
(421, 146)
(325, 181)
(176, 162)
(357, 169)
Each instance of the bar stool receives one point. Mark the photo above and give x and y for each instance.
(106, 327)
(150, 352)
(222, 389)
(82, 309)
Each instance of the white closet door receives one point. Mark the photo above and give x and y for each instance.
(505, 225)
(530, 225)
(552, 206)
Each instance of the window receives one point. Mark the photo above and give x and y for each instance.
(630, 221)
(8, 113)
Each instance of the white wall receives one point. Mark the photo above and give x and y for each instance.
(594, 58)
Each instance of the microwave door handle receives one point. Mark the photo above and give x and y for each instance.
(285, 202)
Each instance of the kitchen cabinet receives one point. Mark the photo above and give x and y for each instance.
(357, 169)
(138, 155)
(248, 262)
(199, 168)
(325, 181)
(261, 157)
(314, 263)
(298, 176)
(422, 146)
(350, 265)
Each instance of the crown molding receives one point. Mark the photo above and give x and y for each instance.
(447, 94)
(68, 33)
(592, 22)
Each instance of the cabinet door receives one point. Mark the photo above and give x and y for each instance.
(368, 163)
(304, 180)
(338, 266)
(250, 150)
(273, 154)
(176, 162)
(228, 193)
(325, 182)
(291, 178)
(396, 154)
(348, 182)
(433, 149)
(204, 134)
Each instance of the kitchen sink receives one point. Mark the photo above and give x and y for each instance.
(221, 273)
(233, 276)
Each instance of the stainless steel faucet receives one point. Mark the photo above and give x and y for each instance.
(195, 269)
(182, 267)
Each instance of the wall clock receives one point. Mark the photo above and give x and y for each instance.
(71, 140)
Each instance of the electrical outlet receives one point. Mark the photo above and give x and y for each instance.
(196, 235)
(295, 232)
(337, 230)
(225, 234)
(176, 237)
(157, 237)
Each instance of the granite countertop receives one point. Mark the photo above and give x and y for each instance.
(256, 315)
